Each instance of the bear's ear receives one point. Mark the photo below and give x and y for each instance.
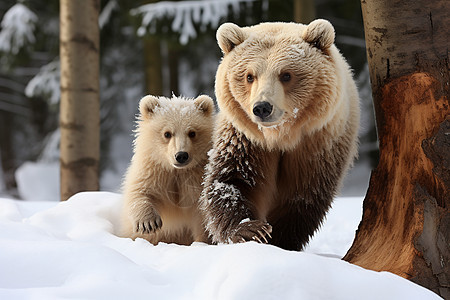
(205, 104)
(228, 36)
(147, 106)
(319, 33)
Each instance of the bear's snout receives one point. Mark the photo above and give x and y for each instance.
(262, 109)
(182, 157)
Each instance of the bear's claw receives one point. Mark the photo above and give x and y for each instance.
(263, 236)
(267, 231)
(254, 230)
(149, 225)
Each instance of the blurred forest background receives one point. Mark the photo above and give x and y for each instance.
(157, 47)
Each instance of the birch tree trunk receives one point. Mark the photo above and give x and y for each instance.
(405, 227)
(79, 110)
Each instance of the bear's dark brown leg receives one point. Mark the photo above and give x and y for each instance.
(298, 223)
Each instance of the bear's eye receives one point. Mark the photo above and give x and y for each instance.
(191, 134)
(250, 78)
(285, 77)
(167, 135)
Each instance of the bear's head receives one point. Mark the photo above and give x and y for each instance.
(175, 132)
(277, 81)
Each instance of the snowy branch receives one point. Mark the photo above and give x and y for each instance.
(106, 13)
(185, 14)
(46, 83)
(18, 25)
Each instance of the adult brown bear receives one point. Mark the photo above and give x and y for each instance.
(285, 135)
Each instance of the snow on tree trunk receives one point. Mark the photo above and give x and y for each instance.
(405, 227)
(79, 110)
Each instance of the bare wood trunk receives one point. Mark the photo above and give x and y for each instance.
(406, 222)
(80, 105)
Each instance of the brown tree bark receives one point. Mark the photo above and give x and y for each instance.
(80, 104)
(153, 65)
(304, 11)
(173, 57)
(405, 227)
(6, 149)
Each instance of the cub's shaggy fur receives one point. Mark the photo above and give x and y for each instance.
(285, 135)
(163, 182)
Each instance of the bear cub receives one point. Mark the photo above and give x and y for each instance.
(163, 182)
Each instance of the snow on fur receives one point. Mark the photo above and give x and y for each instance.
(176, 105)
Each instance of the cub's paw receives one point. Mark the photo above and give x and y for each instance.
(254, 230)
(148, 223)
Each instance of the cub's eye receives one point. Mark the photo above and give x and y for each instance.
(285, 77)
(191, 134)
(167, 135)
(250, 78)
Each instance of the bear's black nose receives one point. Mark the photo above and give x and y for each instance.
(182, 157)
(262, 109)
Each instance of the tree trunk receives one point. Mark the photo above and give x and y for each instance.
(173, 55)
(153, 65)
(405, 227)
(304, 11)
(80, 105)
(6, 149)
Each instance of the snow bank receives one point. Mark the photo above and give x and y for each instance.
(38, 181)
(69, 251)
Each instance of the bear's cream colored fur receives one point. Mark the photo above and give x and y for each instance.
(160, 194)
(279, 172)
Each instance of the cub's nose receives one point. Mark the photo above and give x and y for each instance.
(262, 109)
(182, 157)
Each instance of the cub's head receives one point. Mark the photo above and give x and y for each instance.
(176, 132)
(277, 81)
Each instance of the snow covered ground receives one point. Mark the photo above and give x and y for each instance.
(51, 250)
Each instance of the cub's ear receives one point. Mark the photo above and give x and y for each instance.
(147, 106)
(229, 35)
(205, 104)
(319, 33)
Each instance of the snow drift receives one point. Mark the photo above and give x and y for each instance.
(68, 250)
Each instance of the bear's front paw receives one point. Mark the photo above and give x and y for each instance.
(148, 224)
(254, 230)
